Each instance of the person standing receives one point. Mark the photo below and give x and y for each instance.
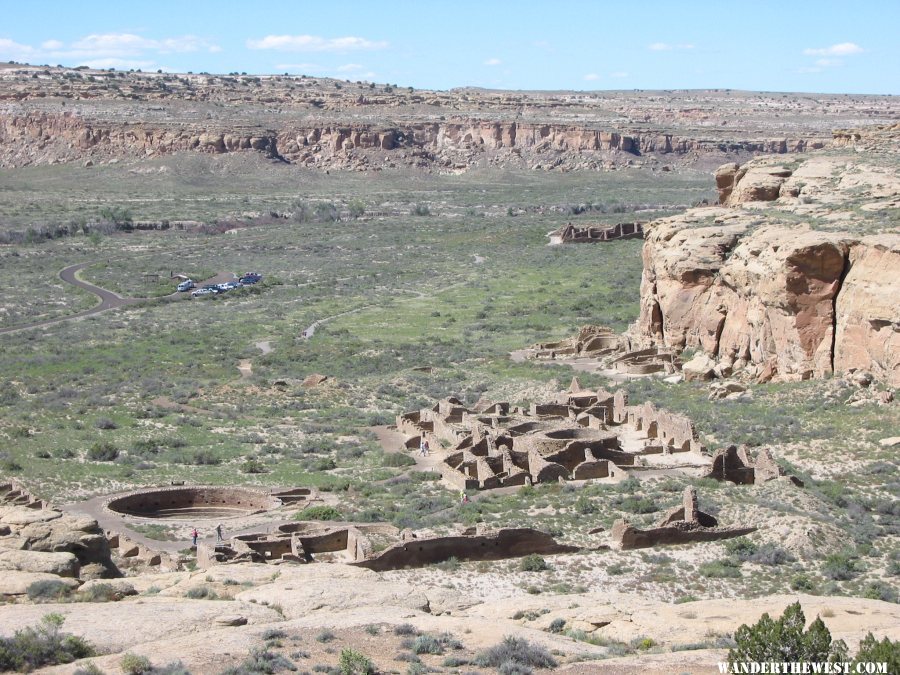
(219, 536)
(194, 535)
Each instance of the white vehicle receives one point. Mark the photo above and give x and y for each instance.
(201, 291)
(223, 287)
(185, 285)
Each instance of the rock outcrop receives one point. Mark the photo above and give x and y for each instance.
(775, 298)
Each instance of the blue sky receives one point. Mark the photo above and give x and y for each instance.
(823, 46)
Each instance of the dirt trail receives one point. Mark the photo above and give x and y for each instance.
(108, 300)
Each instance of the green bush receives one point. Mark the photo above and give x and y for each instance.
(201, 593)
(100, 593)
(398, 460)
(515, 650)
(840, 567)
(253, 466)
(134, 664)
(103, 451)
(533, 563)
(873, 651)
(261, 661)
(42, 645)
(48, 590)
(354, 663)
(557, 625)
(784, 639)
(726, 568)
(639, 505)
(319, 513)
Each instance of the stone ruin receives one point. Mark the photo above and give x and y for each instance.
(13, 493)
(38, 542)
(569, 234)
(379, 547)
(612, 350)
(680, 525)
(576, 436)
(179, 502)
(735, 465)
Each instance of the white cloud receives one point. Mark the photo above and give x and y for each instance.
(107, 50)
(493, 62)
(619, 74)
(590, 77)
(14, 50)
(826, 63)
(840, 49)
(350, 67)
(315, 43)
(666, 47)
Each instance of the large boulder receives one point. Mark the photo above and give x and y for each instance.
(17, 583)
(60, 564)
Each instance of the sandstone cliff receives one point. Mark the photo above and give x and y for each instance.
(44, 137)
(795, 276)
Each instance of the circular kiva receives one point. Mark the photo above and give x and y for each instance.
(195, 502)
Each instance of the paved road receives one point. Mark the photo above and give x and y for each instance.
(108, 300)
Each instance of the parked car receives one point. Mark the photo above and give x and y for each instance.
(249, 279)
(231, 285)
(202, 291)
(223, 287)
(185, 286)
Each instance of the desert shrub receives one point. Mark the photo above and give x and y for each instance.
(261, 661)
(273, 634)
(878, 590)
(201, 593)
(325, 635)
(454, 662)
(103, 451)
(100, 593)
(802, 582)
(356, 208)
(354, 663)
(133, 664)
(741, 547)
(105, 423)
(840, 567)
(420, 210)
(42, 645)
(427, 644)
(89, 668)
(639, 505)
(584, 505)
(451, 564)
(515, 650)
(319, 513)
(720, 569)
(557, 625)
(253, 466)
(533, 563)
(770, 554)
(784, 639)
(397, 459)
(48, 590)
(405, 629)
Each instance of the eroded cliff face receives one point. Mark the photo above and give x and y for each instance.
(778, 284)
(42, 138)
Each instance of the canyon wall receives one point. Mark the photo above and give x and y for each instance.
(769, 289)
(41, 137)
